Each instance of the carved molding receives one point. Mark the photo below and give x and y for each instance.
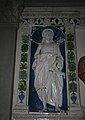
(55, 12)
(76, 115)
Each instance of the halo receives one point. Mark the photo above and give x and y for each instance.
(47, 31)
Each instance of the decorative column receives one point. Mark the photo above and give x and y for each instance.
(72, 66)
(22, 68)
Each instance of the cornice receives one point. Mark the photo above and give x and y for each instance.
(53, 12)
(54, 3)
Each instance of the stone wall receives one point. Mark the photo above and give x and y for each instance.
(7, 54)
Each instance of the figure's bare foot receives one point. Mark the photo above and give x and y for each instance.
(43, 110)
(58, 110)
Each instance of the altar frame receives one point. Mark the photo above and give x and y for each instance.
(45, 17)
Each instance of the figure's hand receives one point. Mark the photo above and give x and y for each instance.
(34, 65)
(63, 75)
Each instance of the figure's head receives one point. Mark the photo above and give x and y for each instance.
(48, 34)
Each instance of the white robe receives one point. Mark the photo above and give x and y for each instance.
(47, 68)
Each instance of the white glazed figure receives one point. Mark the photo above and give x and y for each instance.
(47, 68)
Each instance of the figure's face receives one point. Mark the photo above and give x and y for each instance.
(48, 38)
(47, 35)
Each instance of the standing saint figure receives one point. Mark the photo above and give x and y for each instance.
(47, 66)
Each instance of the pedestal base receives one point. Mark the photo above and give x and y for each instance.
(73, 114)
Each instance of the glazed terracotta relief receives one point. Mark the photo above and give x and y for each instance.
(48, 55)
